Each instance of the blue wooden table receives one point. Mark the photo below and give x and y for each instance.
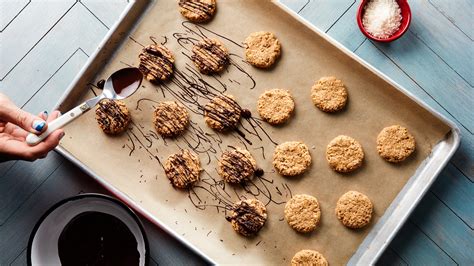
(44, 43)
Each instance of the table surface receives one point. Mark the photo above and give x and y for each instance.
(44, 44)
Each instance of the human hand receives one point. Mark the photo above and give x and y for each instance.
(16, 124)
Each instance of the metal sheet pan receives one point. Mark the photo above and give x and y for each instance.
(388, 225)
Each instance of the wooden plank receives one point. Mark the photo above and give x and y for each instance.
(5, 166)
(323, 14)
(18, 45)
(20, 260)
(459, 13)
(295, 5)
(78, 29)
(389, 257)
(448, 231)
(107, 11)
(415, 248)
(346, 30)
(453, 46)
(10, 10)
(22, 180)
(464, 157)
(457, 192)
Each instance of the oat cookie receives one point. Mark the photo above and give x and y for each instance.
(248, 216)
(329, 94)
(170, 118)
(236, 165)
(210, 56)
(291, 158)
(344, 154)
(307, 257)
(222, 113)
(112, 116)
(354, 209)
(197, 10)
(302, 213)
(156, 62)
(262, 49)
(183, 169)
(395, 143)
(276, 106)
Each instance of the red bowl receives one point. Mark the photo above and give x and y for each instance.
(406, 19)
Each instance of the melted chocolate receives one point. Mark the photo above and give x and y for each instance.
(95, 238)
(100, 84)
(126, 81)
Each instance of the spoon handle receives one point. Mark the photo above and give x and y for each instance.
(33, 139)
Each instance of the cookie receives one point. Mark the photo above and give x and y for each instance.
(183, 169)
(329, 94)
(236, 165)
(291, 158)
(170, 118)
(247, 216)
(275, 106)
(395, 143)
(344, 154)
(354, 209)
(156, 62)
(197, 10)
(222, 113)
(307, 257)
(210, 56)
(262, 49)
(302, 213)
(112, 116)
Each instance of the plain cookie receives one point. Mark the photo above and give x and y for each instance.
(156, 63)
(291, 158)
(222, 113)
(170, 118)
(183, 169)
(275, 106)
(262, 49)
(236, 165)
(308, 257)
(344, 154)
(248, 216)
(197, 10)
(395, 143)
(354, 209)
(210, 56)
(329, 94)
(302, 213)
(112, 116)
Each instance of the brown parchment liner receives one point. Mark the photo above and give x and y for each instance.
(132, 162)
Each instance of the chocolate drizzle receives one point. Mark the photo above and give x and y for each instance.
(111, 116)
(182, 169)
(235, 167)
(246, 218)
(223, 113)
(210, 56)
(170, 119)
(156, 62)
(203, 11)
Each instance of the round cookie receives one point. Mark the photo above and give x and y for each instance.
(183, 169)
(112, 116)
(170, 118)
(329, 94)
(275, 106)
(308, 257)
(236, 165)
(262, 49)
(210, 56)
(248, 216)
(354, 209)
(291, 158)
(222, 113)
(344, 154)
(302, 213)
(197, 10)
(395, 143)
(156, 62)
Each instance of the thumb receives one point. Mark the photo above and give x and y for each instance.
(23, 119)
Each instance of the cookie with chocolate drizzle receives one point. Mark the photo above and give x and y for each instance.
(197, 10)
(210, 56)
(248, 216)
(236, 165)
(222, 113)
(170, 118)
(183, 169)
(156, 62)
(112, 116)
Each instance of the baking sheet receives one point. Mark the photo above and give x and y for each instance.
(131, 162)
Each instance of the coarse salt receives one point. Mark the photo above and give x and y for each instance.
(382, 18)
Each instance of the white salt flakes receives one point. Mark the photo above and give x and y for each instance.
(382, 18)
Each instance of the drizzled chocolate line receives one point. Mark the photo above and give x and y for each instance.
(110, 115)
(225, 111)
(156, 62)
(198, 7)
(181, 172)
(209, 57)
(237, 166)
(247, 218)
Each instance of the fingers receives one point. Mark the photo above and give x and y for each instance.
(49, 143)
(31, 123)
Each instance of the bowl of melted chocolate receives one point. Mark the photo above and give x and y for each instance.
(88, 229)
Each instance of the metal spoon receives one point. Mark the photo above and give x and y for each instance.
(119, 85)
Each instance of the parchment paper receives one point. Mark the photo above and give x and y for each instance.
(132, 162)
